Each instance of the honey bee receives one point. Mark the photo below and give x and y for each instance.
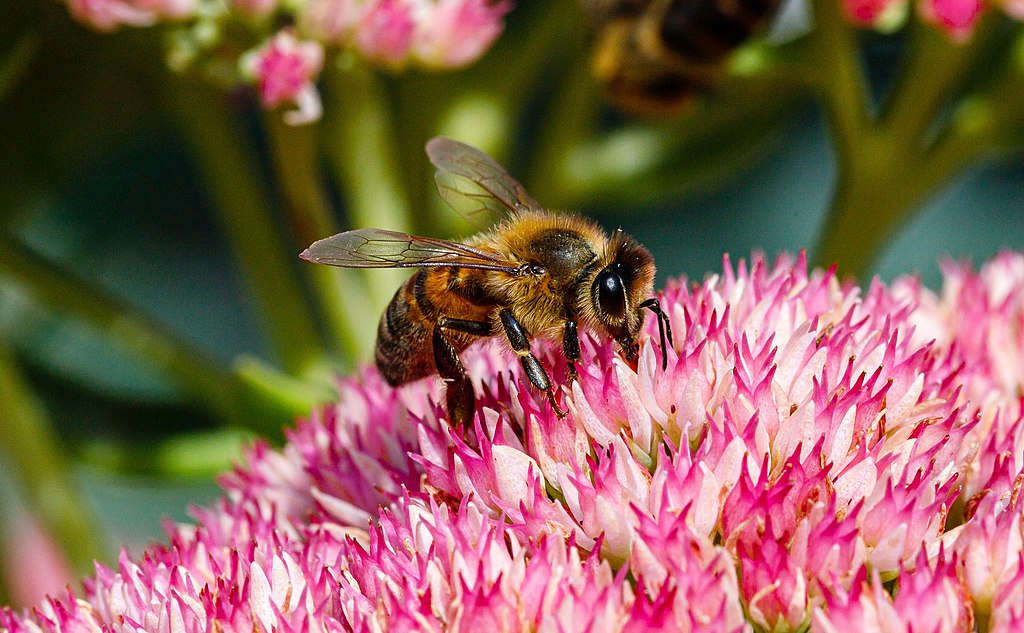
(654, 56)
(534, 274)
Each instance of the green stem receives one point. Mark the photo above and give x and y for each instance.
(933, 73)
(341, 293)
(362, 145)
(839, 76)
(122, 325)
(886, 171)
(866, 208)
(15, 63)
(44, 473)
(233, 181)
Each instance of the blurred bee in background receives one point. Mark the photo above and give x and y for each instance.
(653, 56)
(533, 274)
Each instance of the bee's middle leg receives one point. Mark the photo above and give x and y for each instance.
(519, 340)
(459, 397)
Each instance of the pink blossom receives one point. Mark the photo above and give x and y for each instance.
(1013, 8)
(284, 70)
(956, 17)
(30, 554)
(990, 547)
(433, 33)
(884, 15)
(1008, 604)
(929, 600)
(107, 15)
(385, 30)
(808, 442)
(457, 32)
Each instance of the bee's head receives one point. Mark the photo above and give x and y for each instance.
(618, 289)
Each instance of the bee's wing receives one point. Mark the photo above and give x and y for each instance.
(377, 248)
(472, 182)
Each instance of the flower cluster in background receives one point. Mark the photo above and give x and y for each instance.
(815, 454)
(285, 62)
(956, 18)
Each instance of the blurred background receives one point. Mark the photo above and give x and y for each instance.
(154, 316)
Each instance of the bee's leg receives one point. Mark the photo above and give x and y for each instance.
(459, 395)
(664, 328)
(571, 347)
(519, 340)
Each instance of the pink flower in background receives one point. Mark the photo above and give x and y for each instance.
(284, 70)
(435, 33)
(455, 33)
(107, 15)
(29, 553)
(808, 442)
(385, 29)
(956, 17)
(883, 15)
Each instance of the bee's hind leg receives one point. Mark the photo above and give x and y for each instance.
(459, 396)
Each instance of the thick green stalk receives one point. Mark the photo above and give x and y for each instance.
(887, 170)
(870, 203)
(123, 326)
(341, 293)
(14, 63)
(362, 142)
(839, 77)
(933, 74)
(267, 262)
(43, 472)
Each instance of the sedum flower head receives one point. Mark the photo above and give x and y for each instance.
(283, 63)
(815, 456)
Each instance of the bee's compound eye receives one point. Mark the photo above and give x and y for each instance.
(537, 269)
(611, 295)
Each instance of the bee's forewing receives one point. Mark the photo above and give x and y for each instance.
(378, 248)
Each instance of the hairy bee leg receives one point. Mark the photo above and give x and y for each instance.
(459, 397)
(571, 347)
(664, 328)
(477, 328)
(519, 340)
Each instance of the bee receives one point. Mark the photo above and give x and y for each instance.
(654, 56)
(534, 274)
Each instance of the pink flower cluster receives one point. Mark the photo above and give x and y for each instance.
(815, 456)
(284, 70)
(436, 34)
(107, 15)
(957, 18)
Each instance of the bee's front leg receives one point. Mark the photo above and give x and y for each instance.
(459, 397)
(519, 340)
(664, 328)
(571, 347)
